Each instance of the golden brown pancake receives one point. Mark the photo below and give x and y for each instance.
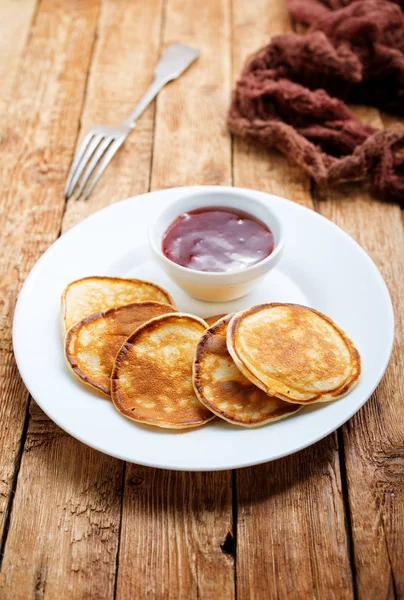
(224, 390)
(92, 344)
(90, 295)
(212, 320)
(293, 352)
(152, 378)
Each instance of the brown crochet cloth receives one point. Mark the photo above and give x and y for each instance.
(291, 93)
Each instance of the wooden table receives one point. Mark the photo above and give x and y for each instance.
(325, 523)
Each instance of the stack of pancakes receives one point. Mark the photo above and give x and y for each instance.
(125, 338)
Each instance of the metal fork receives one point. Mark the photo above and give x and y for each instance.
(102, 141)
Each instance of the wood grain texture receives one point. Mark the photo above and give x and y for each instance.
(254, 23)
(373, 438)
(391, 120)
(291, 539)
(65, 520)
(176, 535)
(38, 136)
(173, 527)
(15, 24)
(192, 144)
(14, 31)
(75, 518)
(174, 523)
(125, 54)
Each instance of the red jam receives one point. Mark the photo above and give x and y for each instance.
(217, 239)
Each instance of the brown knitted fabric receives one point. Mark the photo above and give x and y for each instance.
(308, 11)
(291, 93)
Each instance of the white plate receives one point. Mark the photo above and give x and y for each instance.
(321, 267)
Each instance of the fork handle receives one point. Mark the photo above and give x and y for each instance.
(158, 83)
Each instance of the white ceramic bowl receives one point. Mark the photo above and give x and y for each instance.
(210, 286)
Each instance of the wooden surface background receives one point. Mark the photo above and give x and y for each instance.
(326, 523)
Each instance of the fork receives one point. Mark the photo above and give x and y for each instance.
(102, 141)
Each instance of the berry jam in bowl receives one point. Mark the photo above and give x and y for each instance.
(217, 245)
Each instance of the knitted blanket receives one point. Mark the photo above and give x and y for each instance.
(292, 93)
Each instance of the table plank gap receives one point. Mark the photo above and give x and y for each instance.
(119, 531)
(13, 488)
(347, 511)
(234, 504)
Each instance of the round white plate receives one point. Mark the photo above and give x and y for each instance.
(322, 267)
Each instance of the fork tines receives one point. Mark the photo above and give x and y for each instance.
(92, 158)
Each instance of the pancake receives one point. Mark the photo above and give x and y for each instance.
(293, 352)
(92, 344)
(90, 295)
(224, 390)
(152, 379)
(212, 320)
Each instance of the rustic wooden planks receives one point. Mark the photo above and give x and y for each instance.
(291, 539)
(125, 54)
(14, 31)
(81, 525)
(173, 524)
(73, 524)
(373, 439)
(65, 520)
(15, 24)
(192, 145)
(38, 135)
(173, 527)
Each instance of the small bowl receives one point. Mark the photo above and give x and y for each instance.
(213, 286)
